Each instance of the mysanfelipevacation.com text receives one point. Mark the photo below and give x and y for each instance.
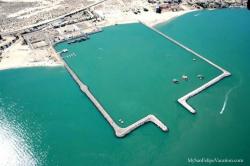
(214, 160)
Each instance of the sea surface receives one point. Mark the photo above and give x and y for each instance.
(46, 120)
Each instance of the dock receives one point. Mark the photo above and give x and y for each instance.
(183, 100)
(77, 39)
(119, 131)
(63, 51)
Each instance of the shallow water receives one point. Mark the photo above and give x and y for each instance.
(45, 120)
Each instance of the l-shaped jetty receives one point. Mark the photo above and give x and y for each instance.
(183, 100)
(119, 131)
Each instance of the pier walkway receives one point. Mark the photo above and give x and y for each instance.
(119, 131)
(183, 100)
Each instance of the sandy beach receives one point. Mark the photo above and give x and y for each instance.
(19, 56)
(150, 17)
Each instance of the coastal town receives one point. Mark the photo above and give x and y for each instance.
(32, 43)
(124, 82)
(28, 30)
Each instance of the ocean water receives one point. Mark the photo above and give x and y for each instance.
(46, 120)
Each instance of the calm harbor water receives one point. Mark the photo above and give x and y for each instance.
(46, 120)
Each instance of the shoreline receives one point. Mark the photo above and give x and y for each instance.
(31, 66)
(167, 17)
(172, 18)
(19, 56)
(151, 18)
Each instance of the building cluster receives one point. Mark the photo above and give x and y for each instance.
(166, 5)
(38, 39)
(68, 27)
(176, 5)
(41, 37)
(217, 3)
(11, 23)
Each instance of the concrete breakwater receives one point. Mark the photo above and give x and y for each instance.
(183, 100)
(119, 131)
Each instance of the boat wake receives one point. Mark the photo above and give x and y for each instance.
(227, 95)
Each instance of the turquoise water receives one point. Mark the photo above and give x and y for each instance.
(132, 81)
(45, 120)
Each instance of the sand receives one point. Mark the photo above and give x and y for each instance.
(160, 18)
(19, 55)
(150, 18)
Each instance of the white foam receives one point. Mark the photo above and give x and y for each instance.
(227, 96)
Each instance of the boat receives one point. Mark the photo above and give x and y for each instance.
(184, 77)
(175, 81)
(201, 77)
